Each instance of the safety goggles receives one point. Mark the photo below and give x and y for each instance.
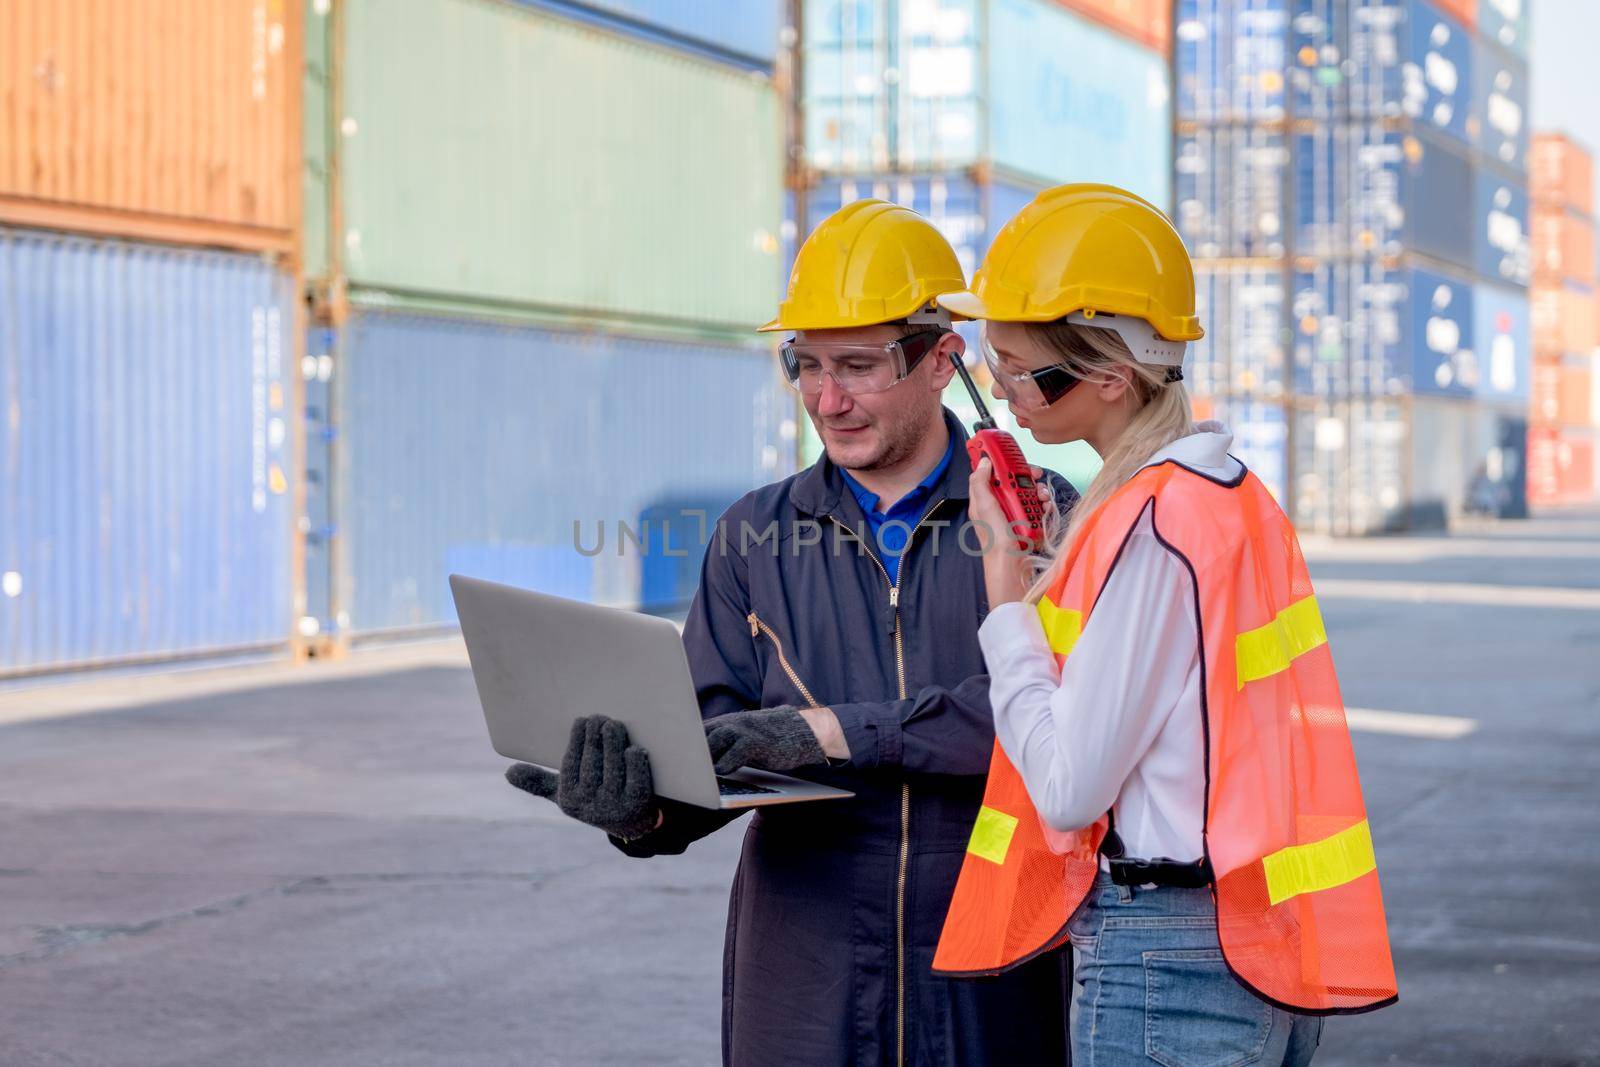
(1029, 391)
(857, 369)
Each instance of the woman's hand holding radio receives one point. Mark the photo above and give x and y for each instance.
(1006, 571)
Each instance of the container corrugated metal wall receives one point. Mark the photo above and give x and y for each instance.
(1505, 22)
(1411, 60)
(1147, 21)
(1444, 357)
(1230, 191)
(1563, 246)
(144, 453)
(1069, 101)
(1230, 60)
(1561, 173)
(1349, 463)
(743, 32)
(1505, 345)
(317, 132)
(1500, 123)
(1243, 352)
(1562, 465)
(474, 446)
(1023, 84)
(1502, 227)
(651, 193)
(161, 119)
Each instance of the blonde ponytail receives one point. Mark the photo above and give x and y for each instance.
(1164, 415)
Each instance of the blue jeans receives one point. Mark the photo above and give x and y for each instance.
(1150, 986)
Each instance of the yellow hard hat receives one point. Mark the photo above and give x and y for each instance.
(868, 262)
(1085, 248)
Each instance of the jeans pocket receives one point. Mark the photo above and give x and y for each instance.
(1083, 929)
(1198, 1015)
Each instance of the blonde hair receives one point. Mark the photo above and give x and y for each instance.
(1163, 416)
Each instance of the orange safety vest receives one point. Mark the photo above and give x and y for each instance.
(1299, 913)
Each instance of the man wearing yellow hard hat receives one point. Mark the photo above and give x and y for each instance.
(1174, 790)
(842, 649)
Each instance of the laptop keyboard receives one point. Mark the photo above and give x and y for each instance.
(730, 788)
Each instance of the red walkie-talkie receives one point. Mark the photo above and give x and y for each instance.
(1012, 480)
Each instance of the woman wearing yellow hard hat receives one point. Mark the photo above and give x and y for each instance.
(1173, 787)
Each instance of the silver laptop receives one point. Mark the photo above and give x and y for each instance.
(542, 661)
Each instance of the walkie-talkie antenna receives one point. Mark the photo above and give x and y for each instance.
(985, 420)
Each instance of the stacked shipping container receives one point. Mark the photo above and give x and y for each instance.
(148, 451)
(963, 109)
(1328, 153)
(547, 233)
(1566, 325)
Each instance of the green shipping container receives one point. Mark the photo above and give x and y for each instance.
(496, 154)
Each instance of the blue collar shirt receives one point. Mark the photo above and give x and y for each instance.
(889, 541)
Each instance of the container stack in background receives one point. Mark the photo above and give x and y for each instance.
(964, 109)
(1566, 325)
(1352, 179)
(539, 239)
(149, 222)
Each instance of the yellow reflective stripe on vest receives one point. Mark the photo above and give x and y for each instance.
(1344, 857)
(991, 835)
(1268, 649)
(1061, 626)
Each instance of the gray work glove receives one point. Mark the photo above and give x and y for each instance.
(604, 781)
(775, 739)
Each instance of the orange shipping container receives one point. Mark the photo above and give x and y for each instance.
(1465, 10)
(1563, 246)
(1147, 21)
(1566, 318)
(1561, 173)
(1561, 467)
(172, 120)
(1545, 386)
(1572, 402)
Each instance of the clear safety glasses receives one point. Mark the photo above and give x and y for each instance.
(1029, 391)
(856, 368)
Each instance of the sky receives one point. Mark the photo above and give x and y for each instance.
(1565, 73)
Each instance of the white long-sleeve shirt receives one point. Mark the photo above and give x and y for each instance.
(1122, 730)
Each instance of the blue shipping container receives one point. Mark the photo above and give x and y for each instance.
(1229, 189)
(1503, 332)
(968, 213)
(1236, 59)
(1408, 59)
(741, 32)
(939, 85)
(1243, 351)
(316, 371)
(145, 474)
(500, 450)
(1444, 359)
(892, 85)
(1505, 22)
(1230, 59)
(1319, 34)
(1070, 101)
(1500, 122)
(1501, 248)
(1361, 330)
(1361, 191)
(1321, 329)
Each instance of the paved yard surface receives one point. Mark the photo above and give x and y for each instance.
(294, 865)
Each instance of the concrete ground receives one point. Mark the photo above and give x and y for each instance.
(320, 864)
